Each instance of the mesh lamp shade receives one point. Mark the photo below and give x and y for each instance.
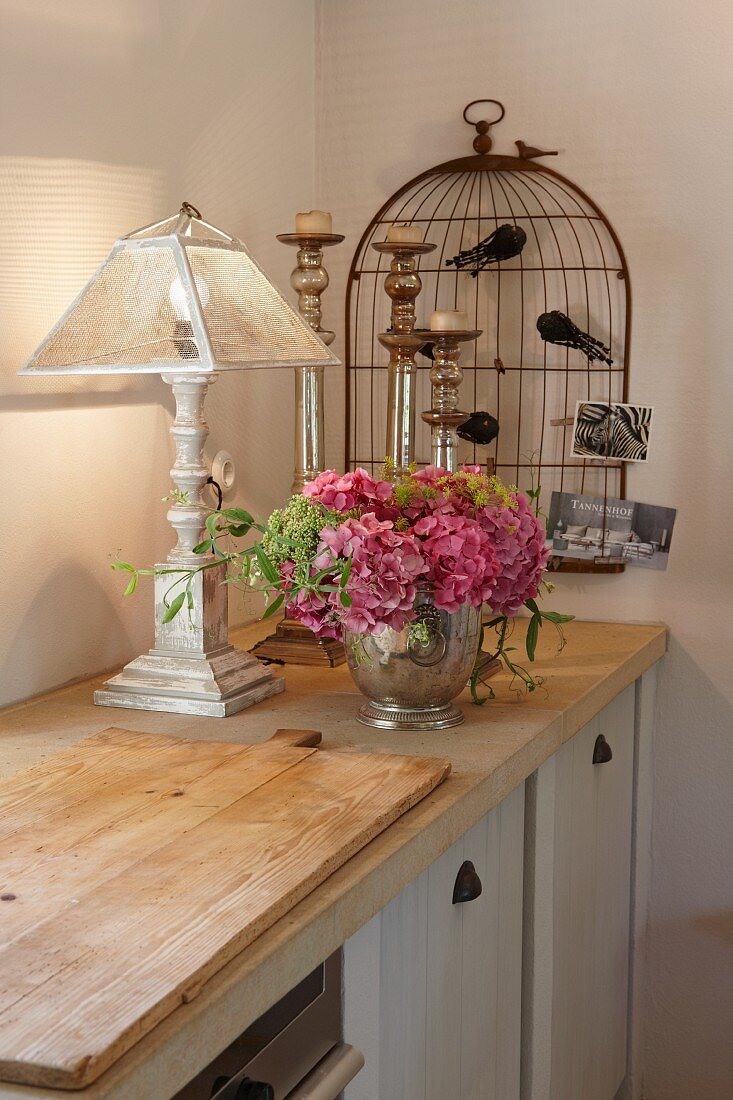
(176, 296)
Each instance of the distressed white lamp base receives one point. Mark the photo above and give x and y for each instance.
(192, 668)
(218, 685)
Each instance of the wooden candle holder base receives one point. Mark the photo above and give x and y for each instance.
(489, 665)
(295, 644)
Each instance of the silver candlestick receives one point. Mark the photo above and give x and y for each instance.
(309, 279)
(446, 377)
(444, 418)
(291, 641)
(402, 284)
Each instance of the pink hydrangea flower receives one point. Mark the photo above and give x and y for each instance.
(519, 541)
(315, 613)
(493, 554)
(462, 564)
(345, 492)
(429, 475)
(386, 564)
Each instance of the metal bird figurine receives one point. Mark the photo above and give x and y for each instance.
(556, 328)
(505, 242)
(530, 152)
(481, 427)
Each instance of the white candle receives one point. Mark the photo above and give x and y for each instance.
(404, 234)
(446, 319)
(313, 221)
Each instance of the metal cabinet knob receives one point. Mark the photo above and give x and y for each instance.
(468, 885)
(602, 750)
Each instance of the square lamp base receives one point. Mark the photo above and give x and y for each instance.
(219, 684)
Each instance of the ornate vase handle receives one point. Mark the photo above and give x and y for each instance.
(431, 648)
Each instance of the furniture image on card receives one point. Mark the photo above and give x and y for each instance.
(638, 550)
(596, 540)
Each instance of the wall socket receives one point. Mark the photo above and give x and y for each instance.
(224, 471)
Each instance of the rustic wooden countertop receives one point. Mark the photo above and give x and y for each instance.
(498, 746)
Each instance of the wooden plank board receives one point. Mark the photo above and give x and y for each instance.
(135, 867)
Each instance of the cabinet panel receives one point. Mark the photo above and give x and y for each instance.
(432, 989)
(508, 1006)
(403, 967)
(613, 887)
(480, 969)
(444, 1006)
(577, 881)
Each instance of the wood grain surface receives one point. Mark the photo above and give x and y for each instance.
(134, 866)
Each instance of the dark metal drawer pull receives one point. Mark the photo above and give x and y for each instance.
(468, 885)
(247, 1089)
(255, 1090)
(602, 750)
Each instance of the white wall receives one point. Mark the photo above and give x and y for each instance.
(110, 114)
(637, 97)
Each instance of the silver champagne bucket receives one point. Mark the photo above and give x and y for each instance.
(410, 681)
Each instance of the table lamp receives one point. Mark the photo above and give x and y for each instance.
(185, 300)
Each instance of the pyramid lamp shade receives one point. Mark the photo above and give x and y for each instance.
(183, 299)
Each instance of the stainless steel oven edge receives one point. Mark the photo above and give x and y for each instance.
(331, 1076)
(292, 1052)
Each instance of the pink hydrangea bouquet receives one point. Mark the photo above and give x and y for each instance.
(348, 553)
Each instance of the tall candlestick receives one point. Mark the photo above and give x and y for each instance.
(403, 285)
(309, 279)
(445, 416)
(291, 641)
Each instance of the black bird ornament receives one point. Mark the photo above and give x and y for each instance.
(556, 328)
(504, 243)
(481, 428)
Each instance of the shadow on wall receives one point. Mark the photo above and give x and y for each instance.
(690, 927)
(87, 393)
(71, 629)
(58, 221)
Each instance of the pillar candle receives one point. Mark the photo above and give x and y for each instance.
(313, 221)
(404, 234)
(446, 319)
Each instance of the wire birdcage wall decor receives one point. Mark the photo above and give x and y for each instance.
(572, 262)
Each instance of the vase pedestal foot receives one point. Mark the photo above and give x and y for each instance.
(396, 716)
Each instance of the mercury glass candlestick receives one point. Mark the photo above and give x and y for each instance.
(446, 376)
(402, 284)
(291, 641)
(309, 279)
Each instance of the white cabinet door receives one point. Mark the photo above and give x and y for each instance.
(432, 989)
(577, 914)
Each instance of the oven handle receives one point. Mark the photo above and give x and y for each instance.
(331, 1075)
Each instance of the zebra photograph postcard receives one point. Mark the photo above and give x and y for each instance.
(610, 430)
(591, 528)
